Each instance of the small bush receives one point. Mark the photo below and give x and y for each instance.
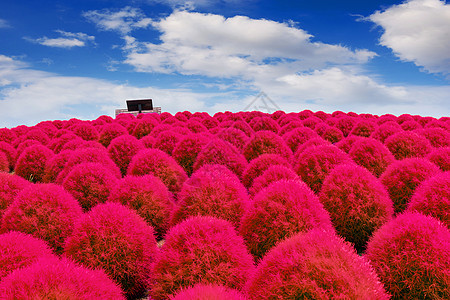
(347, 143)
(432, 197)
(410, 254)
(55, 165)
(116, 239)
(10, 186)
(314, 265)
(260, 164)
(298, 136)
(187, 150)
(18, 250)
(209, 291)
(331, 134)
(385, 130)
(4, 162)
(282, 209)
(202, 250)
(410, 125)
(33, 134)
(31, 163)
(45, 211)
(10, 154)
(311, 122)
(363, 128)
(291, 125)
(51, 278)
(266, 142)
(58, 143)
(143, 127)
(408, 144)
(345, 124)
(86, 131)
(110, 132)
(167, 140)
(403, 177)
(234, 136)
(264, 123)
(7, 135)
(122, 149)
(317, 141)
(441, 158)
(438, 137)
(272, 174)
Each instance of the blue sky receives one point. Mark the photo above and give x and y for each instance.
(82, 59)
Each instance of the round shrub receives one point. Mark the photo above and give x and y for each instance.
(345, 124)
(31, 163)
(55, 165)
(187, 150)
(18, 250)
(115, 238)
(167, 140)
(298, 136)
(304, 114)
(159, 164)
(58, 143)
(122, 149)
(79, 143)
(314, 164)
(266, 142)
(202, 250)
(408, 144)
(34, 135)
(357, 201)
(212, 190)
(385, 130)
(271, 174)
(196, 126)
(149, 197)
(402, 178)
(90, 184)
(45, 211)
(257, 167)
(7, 135)
(148, 141)
(314, 265)
(410, 254)
(293, 124)
(218, 151)
(24, 145)
(143, 127)
(363, 128)
(264, 124)
(234, 136)
(242, 125)
(331, 134)
(10, 186)
(410, 125)
(372, 155)
(110, 132)
(317, 141)
(282, 209)
(10, 154)
(441, 158)
(311, 122)
(85, 131)
(209, 291)
(438, 137)
(52, 278)
(347, 143)
(4, 162)
(432, 197)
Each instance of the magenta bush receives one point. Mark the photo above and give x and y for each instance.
(90, 184)
(314, 164)
(438, 137)
(264, 123)
(58, 143)
(271, 174)
(403, 177)
(407, 144)
(18, 250)
(10, 154)
(85, 131)
(115, 238)
(299, 136)
(234, 136)
(314, 265)
(257, 167)
(440, 157)
(331, 134)
(122, 149)
(212, 190)
(345, 124)
(311, 122)
(291, 125)
(266, 142)
(31, 163)
(218, 151)
(187, 149)
(159, 164)
(410, 125)
(53, 278)
(33, 134)
(209, 291)
(432, 197)
(143, 127)
(357, 201)
(196, 126)
(45, 211)
(242, 125)
(110, 132)
(347, 143)
(363, 127)
(79, 143)
(55, 165)
(7, 135)
(280, 210)
(203, 250)
(167, 140)
(10, 186)
(410, 254)
(4, 162)
(149, 197)
(385, 130)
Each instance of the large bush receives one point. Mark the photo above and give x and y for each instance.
(187, 150)
(209, 291)
(441, 158)
(260, 164)
(122, 149)
(408, 144)
(266, 142)
(10, 186)
(31, 163)
(272, 174)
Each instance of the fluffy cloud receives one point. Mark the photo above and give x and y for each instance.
(418, 31)
(66, 40)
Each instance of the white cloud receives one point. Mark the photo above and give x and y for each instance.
(123, 21)
(418, 31)
(4, 24)
(67, 40)
(192, 4)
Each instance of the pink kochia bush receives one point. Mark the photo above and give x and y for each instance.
(122, 149)
(432, 197)
(272, 174)
(10, 154)
(55, 165)
(110, 132)
(148, 196)
(209, 291)
(4, 162)
(45, 211)
(266, 142)
(282, 209)
(18, 250)
(411, 256)
(187, 149)
(260, 164)
(408, 144)
(212, 190)
(116, 239)
(403, 177)
(31, 163)
(357, 201)
(53, 278)
(202, 250)
(90, 184)
(158, 163)
(10, 186)
(441, 158)
(314, 265)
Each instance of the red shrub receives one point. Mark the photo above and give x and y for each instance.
(143, 127)
(291, 125)
(24, 145)
(79, 143)
(18, 250)
(4, 162)
(363, 128)
(148, 141)
(45, 211)
(209, 291)
(110, 132)
(266, 142)
(317, 141)
(202, 250)
(314, 265)
(10, 186)
(58, 143)
(10, 153)
(438, 137)
(159, 164)
(242, 125)
(357, 202)
(31, 163)
(85, 131)
(234, 136)
(347, 143)
(298, 136)
(122, 149)
(345, 124)
(280, 210)
(212, 190)
(90, 184)
(408, 144)
(51, 278)
(441, 123)
(116, 239)
(410, 254)
(410, 125)
(149, 197)
(218, 151)
(304, 114)
(272, 174)
(7, 135)
(260, 164)
(187, 150)
(55, 165)
(196, 126)
(432, 197)
(264, 123)
(311, 122)
(331, 134)
(372, 155)
(167, 140)
(441, 158)
(403, 177)
(314, 164)
(34, 135)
